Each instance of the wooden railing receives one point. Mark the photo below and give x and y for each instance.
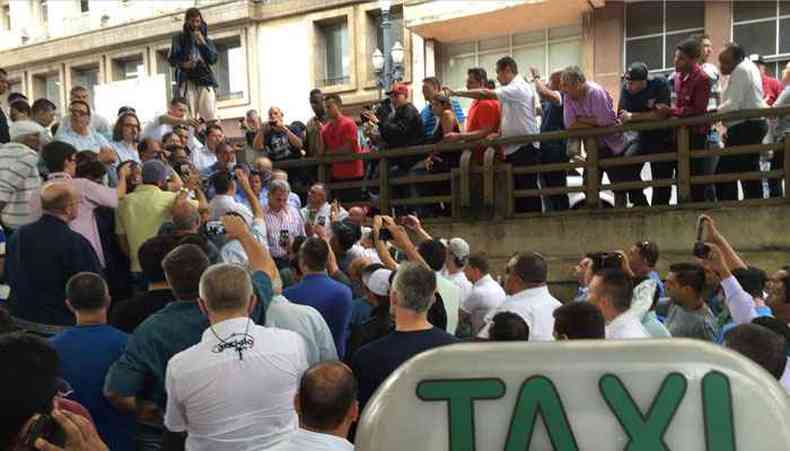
(496, 196)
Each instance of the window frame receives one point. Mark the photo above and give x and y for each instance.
(93, 62)
(223, 35)
(45, 72)
(666, 65)
(322, 76)
(777, 56)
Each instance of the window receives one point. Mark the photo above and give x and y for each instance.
(6, 18)
(87, 77)
(84, 6)
(762, 27)
(335, 67)
(127, 68)
(547, 50)
(15, 86)
(376, 33)
(654, 28)
(163, 67)
(47, 85)
(230, 69)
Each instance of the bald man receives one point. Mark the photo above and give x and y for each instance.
(327, 407)
(41, 258)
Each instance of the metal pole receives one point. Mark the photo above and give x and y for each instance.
(386, 32)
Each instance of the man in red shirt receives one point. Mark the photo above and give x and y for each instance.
(339, 136)
(483, 116)
(692, 87)
(771, 86)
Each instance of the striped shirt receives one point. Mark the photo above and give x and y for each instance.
(281, 229)
(19, 181)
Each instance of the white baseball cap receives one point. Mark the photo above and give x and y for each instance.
(378, 281)
(458, 247)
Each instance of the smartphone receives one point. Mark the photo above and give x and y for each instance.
(701, 250)
(215, 228)
(47, 428)
(605, 260)
(283, 239)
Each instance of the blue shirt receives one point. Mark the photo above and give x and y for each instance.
(332, 299)
(656, 92)
(429, 119)
(41, 258)
(86, 354)
(659, 284)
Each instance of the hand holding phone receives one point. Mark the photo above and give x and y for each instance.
(701, 250)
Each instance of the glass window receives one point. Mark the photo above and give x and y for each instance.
(526, 57)
(784, 8)
(230, 69)
(753, 10)
(784, 36)
(6, 18)
(87, 77)
(672, 42)
(44, 11)
(84, 6)
(455, 75)
(460, 49)
(643, 18)
(47, 86)
(396, 21)
(337, 63)
(493, 44)
(128, 68)
(756, 37)
(564, 54)
(647, 51)
(533, 37)
(163, 67)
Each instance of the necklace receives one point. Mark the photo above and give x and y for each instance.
(237, 342)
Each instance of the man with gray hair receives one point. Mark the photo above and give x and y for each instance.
(413, 292)
(209, 391)
(283, 222)
(19, 178)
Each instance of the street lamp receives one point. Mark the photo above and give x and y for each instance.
(387, 63)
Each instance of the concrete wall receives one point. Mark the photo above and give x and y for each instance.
(759, 233)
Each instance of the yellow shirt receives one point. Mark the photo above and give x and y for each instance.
(140, 215)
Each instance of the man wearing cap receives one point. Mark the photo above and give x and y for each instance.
(19, 177)
(4, 136)
(457, 257)
(141, 213)
(376, 281)
(638, 101)
(401, 129)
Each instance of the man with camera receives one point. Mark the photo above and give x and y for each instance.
(277, 140)
(192, 53)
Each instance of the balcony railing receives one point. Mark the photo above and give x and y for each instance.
(489, 188)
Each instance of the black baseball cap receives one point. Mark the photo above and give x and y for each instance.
(636, 72)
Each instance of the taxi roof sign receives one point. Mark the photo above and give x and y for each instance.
(634, 395)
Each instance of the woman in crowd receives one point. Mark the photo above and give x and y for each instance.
(125, 137)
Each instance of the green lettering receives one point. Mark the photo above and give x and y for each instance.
(717, 409)
(460, 395)
(645, 433)
(538, 395)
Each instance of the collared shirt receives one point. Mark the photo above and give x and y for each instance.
(99, 124)
(460, 280)
(233, 251)
(305, 321)
(245, 417)
(91, 196)
(598, 105)
(625, 326)
(303, 440)
(744, 90)
(263, 198)
(451, 297)
(332, 299)
(536, 306)
(221, 204)
(41, 258)
(486, 295)
(692, 95)
(19, 181)
(139, 216)
(281, 229)
(203, 157)
(93, 141)
(517, 100)
(321, 216)
(125, 152)
(429, 122)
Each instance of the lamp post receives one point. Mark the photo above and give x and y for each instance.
(388, 64)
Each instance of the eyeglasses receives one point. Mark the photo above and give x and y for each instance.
(130, 124)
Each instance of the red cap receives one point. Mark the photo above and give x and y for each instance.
(399, 88)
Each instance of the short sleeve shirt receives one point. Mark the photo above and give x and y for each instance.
(596, 104)
(517, 99)
(657, 92)
(336, 134)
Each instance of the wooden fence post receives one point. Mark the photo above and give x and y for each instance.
(592, 174)
(684, 165)
(385, 191)
(466, 179)
(787, 166)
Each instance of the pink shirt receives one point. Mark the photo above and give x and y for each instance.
(92, 195)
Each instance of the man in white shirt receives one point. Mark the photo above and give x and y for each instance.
(327, 406)
(528, 296)
(434, 253)
(457, 256)
(744, 91)
(214, 388)
(177, 114)
(98, 123)
(517, 99)
(611, 290)
(485, 296)
(204, 157)
(318, 210)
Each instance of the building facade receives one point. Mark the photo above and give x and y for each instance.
(272, 52)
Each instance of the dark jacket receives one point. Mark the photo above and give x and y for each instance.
(403, 129)
(4, 136)
(181, 48)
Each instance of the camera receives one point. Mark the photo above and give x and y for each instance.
(700, 249)
(47, 428)
(283, 240)
(606, 260)
(215, 228)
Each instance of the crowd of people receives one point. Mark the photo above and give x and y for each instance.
(168, 290)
